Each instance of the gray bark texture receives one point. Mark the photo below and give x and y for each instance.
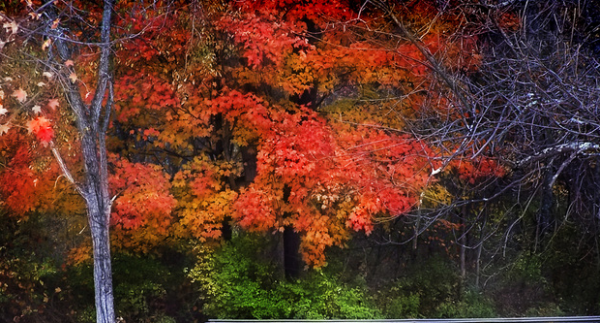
(92, 124)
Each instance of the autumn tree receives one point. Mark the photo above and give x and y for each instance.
(273, 116)
(284, 117)
(50, 35)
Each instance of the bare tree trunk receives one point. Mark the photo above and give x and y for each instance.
(92, 124)
(105, 312)
(462, 242)
(463, 253)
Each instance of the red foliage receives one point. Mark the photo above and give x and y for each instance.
(42, 129)
(196, 98)
(144, 201)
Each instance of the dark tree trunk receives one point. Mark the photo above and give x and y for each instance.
(292, 260)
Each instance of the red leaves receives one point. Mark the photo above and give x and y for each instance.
(262, 40)
(27, 183)
(137, 92)
(42, 129)
(473, 171)
(335, 181)
(144, 201)
(19, 184)
(246, 113)
(254, 210)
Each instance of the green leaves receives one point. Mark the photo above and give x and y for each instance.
(240, 282)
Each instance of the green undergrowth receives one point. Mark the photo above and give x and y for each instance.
(240, 282)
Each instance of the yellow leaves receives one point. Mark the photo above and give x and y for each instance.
(202, 218)
(204, 200)
(436, 195)
(80, 254)
(298, 74)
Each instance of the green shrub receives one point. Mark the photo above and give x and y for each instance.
(139, 287)
(421, 290)
(404, 306)
(239, 282)
(471, 304)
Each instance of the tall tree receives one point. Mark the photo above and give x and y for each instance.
(43, 24)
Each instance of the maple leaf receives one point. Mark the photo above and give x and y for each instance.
(37, 109)
(13, 26)
(53, 104)
(69, 63)
(4, 128)
(3, 111)
(20, 95)
(35, 16)
(42, 129)
(73, 77)
(46, 44)
(55, 23)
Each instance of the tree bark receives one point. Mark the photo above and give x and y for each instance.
(99, 225)
(92, 124)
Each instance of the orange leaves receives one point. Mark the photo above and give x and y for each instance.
(204, 200)
(144, 201)
(42, 129)
(508, 21)
(26, 183)
(316, 238)
(80, 254)
(19, 183)
(324, 182)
